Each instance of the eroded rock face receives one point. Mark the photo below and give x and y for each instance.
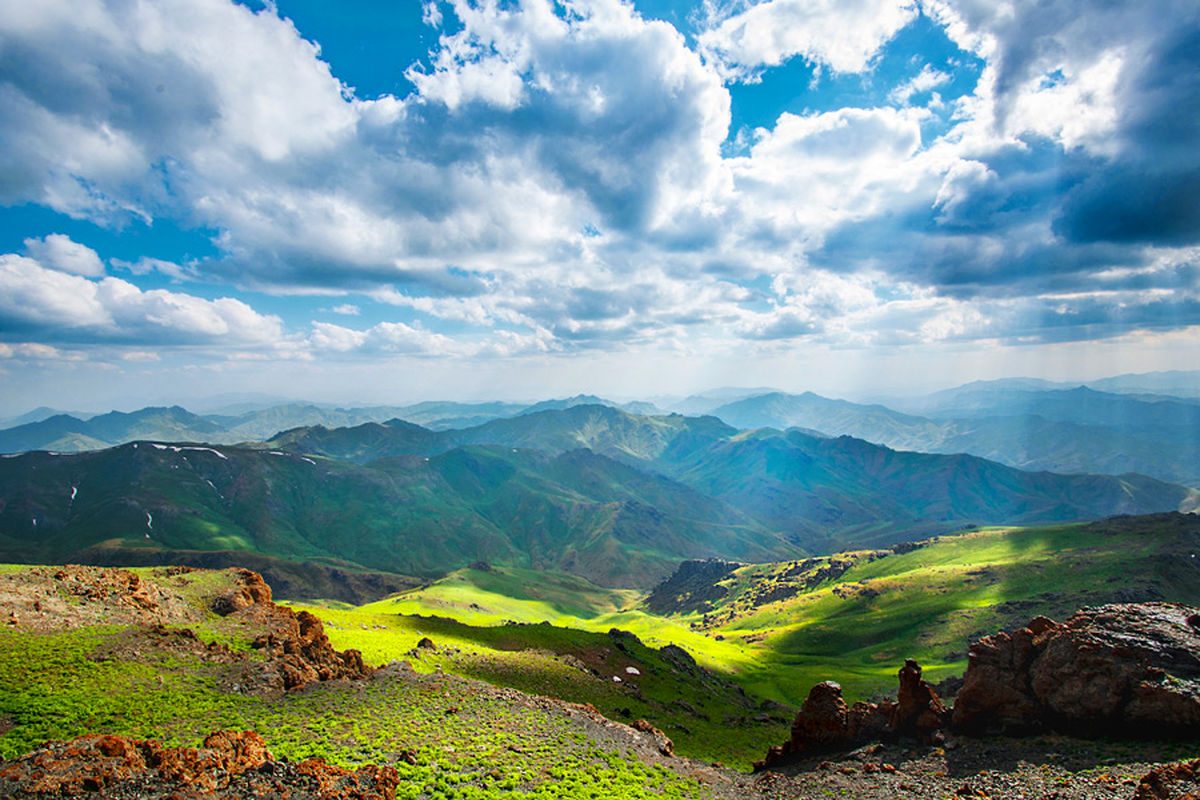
(301, 652)
(1123, 669)
(825, 722)
(249, 590)
(229, 764)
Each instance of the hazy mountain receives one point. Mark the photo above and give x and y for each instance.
(59, 432)
(875, 423)
(1179, 383)
(636, 407)
(705, 402)
(38, 415)
(1067, 431)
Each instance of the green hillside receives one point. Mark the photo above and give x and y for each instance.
(578, 512)
(854, 617)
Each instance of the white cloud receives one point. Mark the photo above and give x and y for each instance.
(812, 173)
(924, 81)
(58, 251)
(386, 337)
(555, 183)
(59, 306)
(842, 34)
(146, 265)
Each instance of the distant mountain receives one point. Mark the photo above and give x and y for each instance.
(38, 415)
(575, 511)
(1068, 431)
(75, 433)
(823, 492)
(875, 423)
(589, 400)
(1178, 383)
(705, 402)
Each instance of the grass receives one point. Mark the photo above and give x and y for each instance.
(464, 745)
(463, 742)
(696, 709)
(856, 628)
(549, 634)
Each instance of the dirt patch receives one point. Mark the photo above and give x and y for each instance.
(63, 598)
(1050, 767)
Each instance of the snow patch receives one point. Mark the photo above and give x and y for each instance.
(217, 453)
(309, 460)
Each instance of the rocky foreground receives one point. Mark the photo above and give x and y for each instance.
(1118, 671)
(1129, 673)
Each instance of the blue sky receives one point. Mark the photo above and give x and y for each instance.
(388, 201)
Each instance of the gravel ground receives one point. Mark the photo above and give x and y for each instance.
(1049, 767)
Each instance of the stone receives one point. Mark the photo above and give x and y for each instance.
(230, 764)
(1124, 669)
(825, 723)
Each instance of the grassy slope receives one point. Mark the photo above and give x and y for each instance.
(858, 627)
(465, 744)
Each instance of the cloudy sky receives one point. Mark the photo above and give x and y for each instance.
(389, 200)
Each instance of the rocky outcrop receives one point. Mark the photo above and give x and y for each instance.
(1171, 782)
(694, 587)
(1120, 669)
(228, 765)
(301, 653)
(825, 722)
(248, 590)
(665, 746)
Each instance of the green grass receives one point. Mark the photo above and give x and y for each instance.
(695, 710)
(464, 744)
(856, 629)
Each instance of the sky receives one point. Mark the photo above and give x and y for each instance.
(374, 201)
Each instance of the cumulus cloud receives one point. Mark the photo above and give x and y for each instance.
(555, 181)
(528, 127)
(1119, 83)
(56, 306)
(58, 251)
(841, 34)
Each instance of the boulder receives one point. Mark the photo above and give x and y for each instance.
(1123, 669)
(826, 723)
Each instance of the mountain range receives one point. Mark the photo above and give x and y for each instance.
(616, 497)
(1111, 426)
(47, 429)
(1076, 430)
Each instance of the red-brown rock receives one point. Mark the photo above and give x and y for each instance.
(661, 741)
(1122, 669)
(824, 721)
(249, 590)
(228, 765)
(301, 651)
(1171, 782)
